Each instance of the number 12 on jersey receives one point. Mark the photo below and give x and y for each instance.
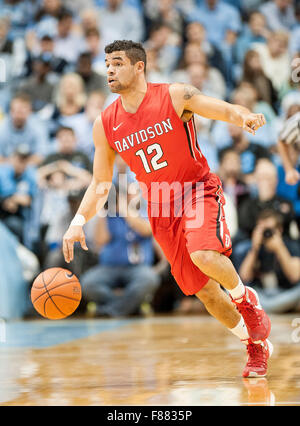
(156, 165)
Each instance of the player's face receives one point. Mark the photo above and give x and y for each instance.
(121, 74)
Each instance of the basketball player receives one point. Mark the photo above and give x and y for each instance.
(151, 126)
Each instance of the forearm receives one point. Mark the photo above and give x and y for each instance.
(94, 199)
(247, 268)
(283, 150)
(236, 114)
(290, 265)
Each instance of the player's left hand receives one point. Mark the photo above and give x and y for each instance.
(252, 122)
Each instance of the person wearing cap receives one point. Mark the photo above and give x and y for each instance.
(17, 189)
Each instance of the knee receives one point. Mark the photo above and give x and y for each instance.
(203, 258)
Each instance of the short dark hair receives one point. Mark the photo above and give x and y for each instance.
(134, 51)
(64, 129)
(269, 212)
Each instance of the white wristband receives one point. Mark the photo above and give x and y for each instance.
(78, 220)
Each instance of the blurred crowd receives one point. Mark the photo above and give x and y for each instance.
(53, 86)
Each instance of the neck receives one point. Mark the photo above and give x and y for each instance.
(132, 98)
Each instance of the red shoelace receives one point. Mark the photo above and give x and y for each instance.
(249, 313)
(257, 356)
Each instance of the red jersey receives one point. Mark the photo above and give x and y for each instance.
(156, 144)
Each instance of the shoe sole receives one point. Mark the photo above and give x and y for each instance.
(254, 373)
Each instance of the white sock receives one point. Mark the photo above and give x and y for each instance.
(238, 291)
(240, 330)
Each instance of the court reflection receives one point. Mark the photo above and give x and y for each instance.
(158, 361)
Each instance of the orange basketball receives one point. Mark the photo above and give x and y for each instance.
(56, 293)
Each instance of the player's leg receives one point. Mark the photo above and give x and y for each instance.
(220, 268)
(220, 306)
(209, 245)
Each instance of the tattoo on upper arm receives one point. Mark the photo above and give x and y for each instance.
(189, 92)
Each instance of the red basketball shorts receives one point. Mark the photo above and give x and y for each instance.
(197, 223)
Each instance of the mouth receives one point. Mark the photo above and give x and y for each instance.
(111, 80)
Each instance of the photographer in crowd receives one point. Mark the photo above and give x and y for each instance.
(270, 261)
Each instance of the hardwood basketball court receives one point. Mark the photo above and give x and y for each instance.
(163, 360)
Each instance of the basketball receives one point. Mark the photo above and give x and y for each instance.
(56, 293)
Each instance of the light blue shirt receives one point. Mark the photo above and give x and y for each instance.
(295, 40)
(33, 134)
(216, 21)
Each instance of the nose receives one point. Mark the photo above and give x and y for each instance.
(110, 70)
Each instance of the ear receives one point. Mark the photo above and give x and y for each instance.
(140, 66)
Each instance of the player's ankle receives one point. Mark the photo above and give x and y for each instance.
(238, 292)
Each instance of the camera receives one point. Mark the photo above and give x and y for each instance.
(268, 233)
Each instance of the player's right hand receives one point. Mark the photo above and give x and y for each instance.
(73, 234)
(292, 177)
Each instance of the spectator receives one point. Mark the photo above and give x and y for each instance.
(275, 59)
(254, 32)
(289, 93)
(17, 189)
(232, 178)
(67, 43)
(132, 270)
(118, 22)
(280, 14)
(90, 20)
(20, 14)
(295, 34)
(55, 230)
(47, 15)
(165, 12)
(43, 46)
(250, 153)
(193, 55)
(67, 150)
(288, 179)
(230, 58)
(92, 80)
(153, 71)
(84, 130)
(196, 35)
(266, 181)
(246, 95)
(253, 73)
(19, 128)
(38, 87)
(11, 58)
(94, 46)
(216, 15)
(206, 79)
(166, 43)
(70, 102)
(270, 262)
(77, 6)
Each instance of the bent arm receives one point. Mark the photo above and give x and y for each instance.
(96, 195)
(97, 192)
(188, 98)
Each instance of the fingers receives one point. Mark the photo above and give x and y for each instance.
(83, 243)
(68, 250)
(254, 123)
